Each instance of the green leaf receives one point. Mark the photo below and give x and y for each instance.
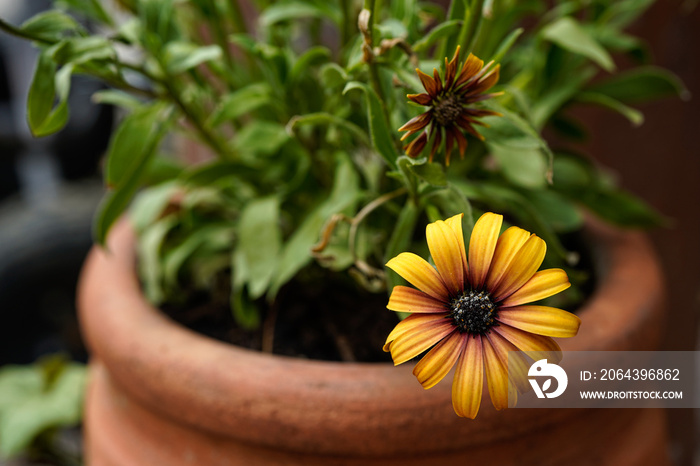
(42, 117)
(309, 57)
(641, 85)
(523, 167)
(117, 98)
(633, 115)
(287, 11)
(567, 33)
(182, 56)
(506, 44)
(433, 173)
(131, 149)
(333, 75)
(31, 404)
(445, 29)
(130, 143)
(296, 252)
(261, 137)
(621, 208)
(400, 239)
(150, 243)
(91, 8)
(560, 213)
(328, 119)
(150, 204)
(380, 133)
(260, 241)
(50, 25)
(240, 102)
(83, 49)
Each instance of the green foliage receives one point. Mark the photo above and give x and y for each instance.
(296, 118)
(37, 399)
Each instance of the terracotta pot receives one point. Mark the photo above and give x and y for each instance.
(161, 394)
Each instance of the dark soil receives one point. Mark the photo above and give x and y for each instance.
(332, 320)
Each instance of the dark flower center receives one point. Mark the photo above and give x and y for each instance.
(473, 312)
(447, 109)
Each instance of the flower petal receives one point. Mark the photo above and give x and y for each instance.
(516, 364)
(522, 268)
(470, 68)
(543, 284)
(445, 250)
(469, 379)
(416, 124)
(437, 363)
(507, 248)
(428, 83)
(487, 82)
(436, 142)
(496, 367)
(411, 337)
(482, 246)
(461, 143)
(405, 299)
(421, 99)
(542, 320)
(420, 274)
(543, 347)
(455, 223)
(415, 147)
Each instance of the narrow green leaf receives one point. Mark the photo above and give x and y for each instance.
(380, 133)
(260, 241)
(506, 44)
(149, 245)
(296, 252)
(567, 33)
(117, 98)
(80, 50)
(641, 85)
(307, 59)
(562, 214)
(42, 117)
(328, 119)
(182, 56)
(51, 25)
(633, 115)
(443, 30)
(91, 8)
(433, 173)
(240, 102)
(261, 137)
(287, 11)
(524, 167)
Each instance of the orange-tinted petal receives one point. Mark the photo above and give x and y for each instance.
(496, 367)
(415, 147)
(405, 299)
(470, 68)
(416, 124)
(436, 142)
(421, 99)
(438, 81)
(408, 340)
(522, 268)
(437, 363)
(509, 243)
(449, 143)
(428, 83)
(420, 274)
(461, 143)
(455, 223)
(482, 246)
(542, 320)
(469, 379)
(445, 250)
(544, 347)
(487, 82)
(543, 284)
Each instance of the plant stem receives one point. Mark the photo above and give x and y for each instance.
(472, 22)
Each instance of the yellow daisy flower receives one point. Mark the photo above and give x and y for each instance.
(473, 308)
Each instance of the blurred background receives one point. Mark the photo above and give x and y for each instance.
(49, 189)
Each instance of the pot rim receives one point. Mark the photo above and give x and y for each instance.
(273, 400)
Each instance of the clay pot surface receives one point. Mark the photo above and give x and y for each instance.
(161, 394)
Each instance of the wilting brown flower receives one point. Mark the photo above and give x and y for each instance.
(451, 111)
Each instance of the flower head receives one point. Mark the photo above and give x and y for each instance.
(450, 99)
(473, 307)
